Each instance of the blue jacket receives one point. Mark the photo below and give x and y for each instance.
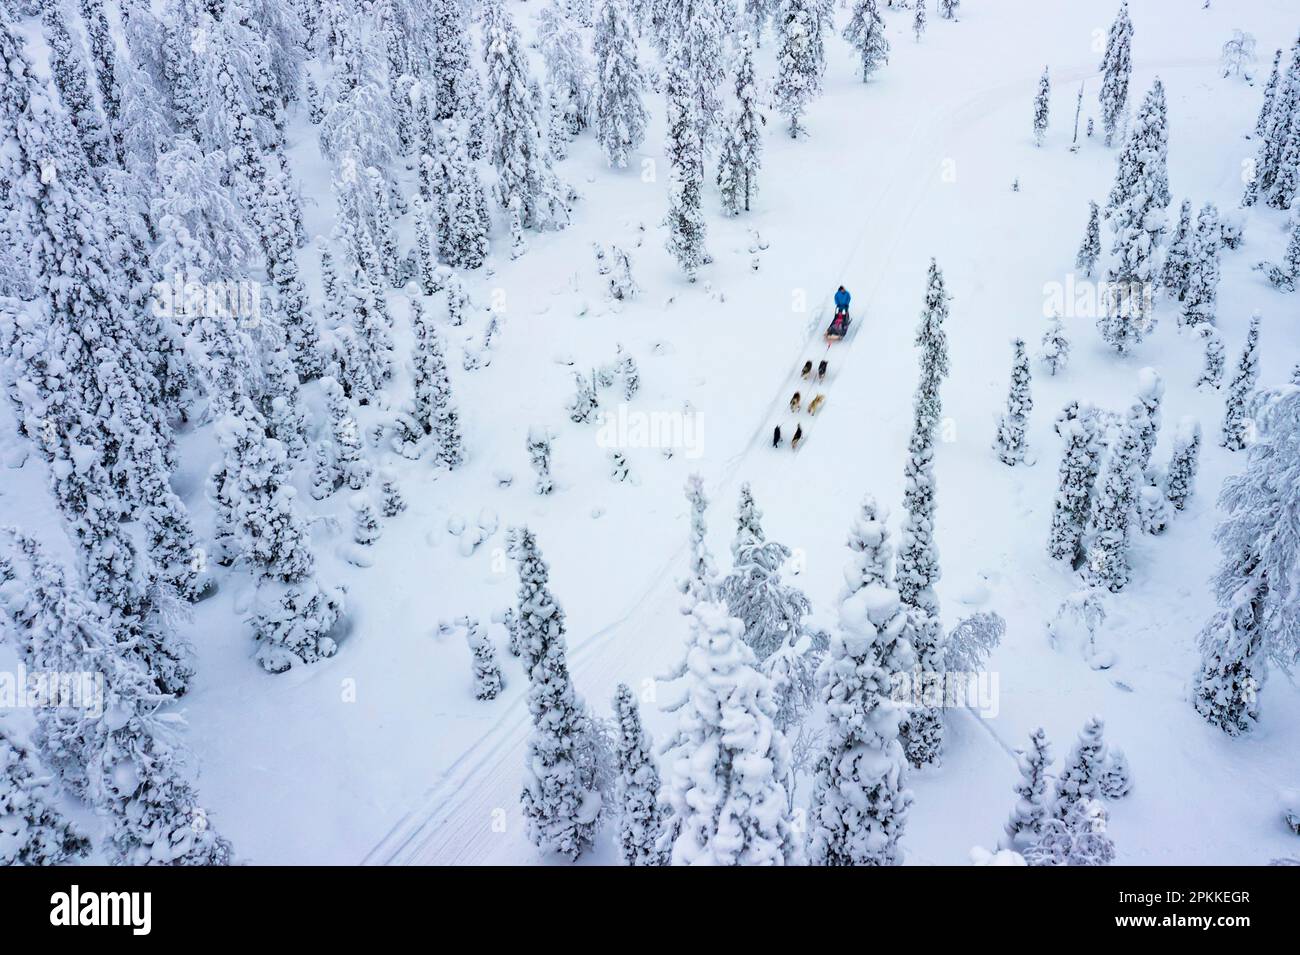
(842, 298)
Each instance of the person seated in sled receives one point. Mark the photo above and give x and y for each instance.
(842, 301)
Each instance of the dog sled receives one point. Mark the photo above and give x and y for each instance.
(839, 326)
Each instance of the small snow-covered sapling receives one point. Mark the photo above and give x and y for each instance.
(391, 501)
(365, 522)
(1116, 781)
(619, 470)
(487, 673)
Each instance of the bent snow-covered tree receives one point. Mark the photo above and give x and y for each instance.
(1258, 620)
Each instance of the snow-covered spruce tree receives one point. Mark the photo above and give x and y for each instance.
(755, 15)
(516, 145)
(685, 150)
(695, 32)
(622, 286)
(933, 342)
(366, 528)
(464, 222)
(869, 540)
(487, 672)
(414, 425)
(103, 59)
(557, 126)
(1090, 248)
(1258, 620)
(1042, 101)
(1113, 505)
(86, 394)
(32, 830)
(68, 70)
(1055, 351)
(1116, 68)
(948, 8)
(435, 409)
(801, 59)
(1275, 135)
(1265, 119)
(1033, 804)
(918, 572)
(918, 559)
(391, 502)
(560, 804)
(1180, 478)
(426, 257)
(292, 613)
(631, 376)
(1078, 839)
(539, 456)
(742, 141)
(1286, 185)
(749, 523)
(727, 763)
(384, 235)
(1082, 770)
(137, 468)
(371, 323)
(1137, 208)
(279, 396)
(585, 401)
(349, 451)
(265, 189)
(640, 826)
(918, 22)
(568, 72)
(325, 479)
(1237, 424)
(1199, 300)
(1212, 367)
(860, 797)
(1144, 417)
(1176, 274)
(865, 31)
(922, 732)
(620, 113)
(918, 564)
(458, 301)
(1078, 474)
(1116, 781)
(359, 115)
(125, 759)
(1010, 443)
(754, 593)
(456, 88)
(701, 582)
(518, 241)
(1285, 276)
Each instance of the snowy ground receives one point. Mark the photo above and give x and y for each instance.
(382, 754)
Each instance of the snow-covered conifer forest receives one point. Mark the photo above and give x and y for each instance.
(650, 432)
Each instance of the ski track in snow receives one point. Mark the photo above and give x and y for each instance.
(452, 825)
